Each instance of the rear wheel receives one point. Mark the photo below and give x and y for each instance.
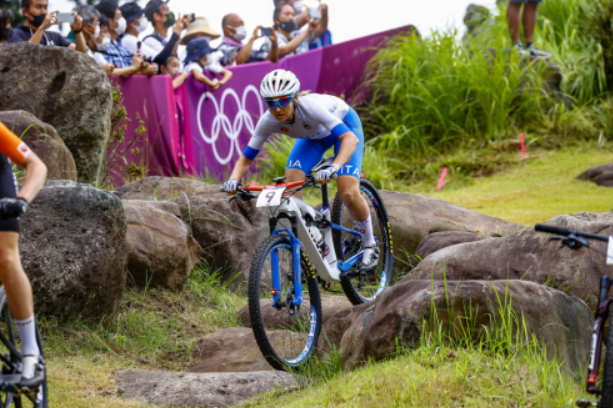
(606, 398)
(36, 399)
(286, 334)
(361, 289)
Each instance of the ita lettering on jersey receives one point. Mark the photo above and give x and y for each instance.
(295, 165)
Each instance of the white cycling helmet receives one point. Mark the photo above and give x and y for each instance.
(279, 83)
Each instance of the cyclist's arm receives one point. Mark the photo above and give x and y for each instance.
(16, 150)
(349, 142)
(36, 172)
(240, 168)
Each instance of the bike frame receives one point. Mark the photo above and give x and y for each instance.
(604, 304)
(328, 267)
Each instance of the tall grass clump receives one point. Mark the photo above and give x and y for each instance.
(433, 94)
(440, 101)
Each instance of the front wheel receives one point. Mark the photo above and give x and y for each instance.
(286, 334)
(606, 398)
(367, 287)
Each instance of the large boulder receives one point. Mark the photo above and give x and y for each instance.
(167, 189)
(560, 323)
(73, 248)
(199, 390)
(528, 255)
(44, 140)
(161, 248)
(601, 175)
(274, 319)
(413, 217)
(439, 240)
(235, 350)
(228, 232)
(66, 89)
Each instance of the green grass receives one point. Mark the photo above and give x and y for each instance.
(536, 189)
(155, 329)
(456, 364)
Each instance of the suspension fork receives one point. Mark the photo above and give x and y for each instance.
(296, 247)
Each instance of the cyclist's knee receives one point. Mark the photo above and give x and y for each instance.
(349, 196)
(292, 175)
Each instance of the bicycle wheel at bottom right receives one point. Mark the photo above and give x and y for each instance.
(346, 245)
(286, 334)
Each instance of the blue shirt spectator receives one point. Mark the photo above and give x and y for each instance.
(115, 53)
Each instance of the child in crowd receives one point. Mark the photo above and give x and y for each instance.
(172, 68)
(197, 60)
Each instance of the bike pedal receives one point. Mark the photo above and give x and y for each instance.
(583, 403)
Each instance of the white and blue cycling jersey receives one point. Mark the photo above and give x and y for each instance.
(320, 121)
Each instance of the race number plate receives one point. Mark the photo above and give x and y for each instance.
(270, 196)
(610, 252)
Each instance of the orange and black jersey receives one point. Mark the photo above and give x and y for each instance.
(11, 146)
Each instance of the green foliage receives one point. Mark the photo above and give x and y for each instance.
(14, 6)
(154, 327)
(123, 154)
(440, 102)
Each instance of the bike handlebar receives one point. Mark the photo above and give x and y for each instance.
(566, 232)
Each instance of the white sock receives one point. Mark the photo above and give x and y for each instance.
(368, 238)
(27, 334)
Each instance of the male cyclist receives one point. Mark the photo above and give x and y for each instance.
(12, 276)
(318, 122)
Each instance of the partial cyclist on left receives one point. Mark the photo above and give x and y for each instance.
(13, 203)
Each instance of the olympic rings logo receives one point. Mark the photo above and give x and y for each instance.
(232, 129)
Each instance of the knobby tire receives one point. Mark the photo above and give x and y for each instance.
(255, 313)
(385, 234)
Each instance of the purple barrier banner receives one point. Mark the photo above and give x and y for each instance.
(198, 132)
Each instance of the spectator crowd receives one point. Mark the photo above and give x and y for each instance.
(114, 37)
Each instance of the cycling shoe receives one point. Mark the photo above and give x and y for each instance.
(370, 259)
(33, 371)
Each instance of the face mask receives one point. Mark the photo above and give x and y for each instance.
(170, 19)
(106, 41)
(121, 26)
(37, 21)
(240, 32)
(8, 34)
(206, 61)
(288, 26)
(96, 33)
(142, 25)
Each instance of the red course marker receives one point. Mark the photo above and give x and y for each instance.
(523, 146)
(442, 181)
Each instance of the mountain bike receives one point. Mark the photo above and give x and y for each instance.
(576, 240)
(318, 246)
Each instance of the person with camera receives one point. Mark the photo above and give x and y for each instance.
(136, 24)
(38, 20)
(291, 39)
(159, 15)
(235, 52)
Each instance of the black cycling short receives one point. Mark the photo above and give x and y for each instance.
(8, 189)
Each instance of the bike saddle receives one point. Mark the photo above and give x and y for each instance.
(323, 164)
(278, 180)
